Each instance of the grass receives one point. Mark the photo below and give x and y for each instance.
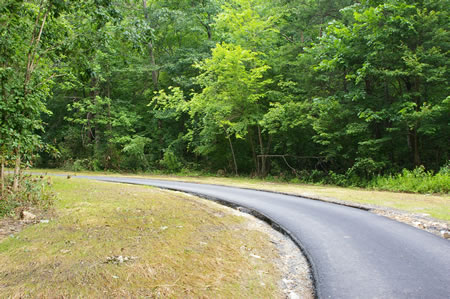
(33, 193)
(436, 206)
(179, 246)
(417, 180)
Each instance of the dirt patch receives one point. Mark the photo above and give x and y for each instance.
(9, 226)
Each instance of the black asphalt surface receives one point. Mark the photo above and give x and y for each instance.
(353, 253)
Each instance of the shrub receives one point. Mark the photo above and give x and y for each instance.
(33, 191)
(418, 180)
(80, 165)
(170, 161)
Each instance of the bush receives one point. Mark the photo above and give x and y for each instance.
(33, 191)
(170, 161)
(80, 165)
(418, 180)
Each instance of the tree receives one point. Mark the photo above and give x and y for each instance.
(233, 90)
(384, 72)
(29, 43)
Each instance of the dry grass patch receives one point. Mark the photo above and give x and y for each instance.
(435, 205)
(176, 245)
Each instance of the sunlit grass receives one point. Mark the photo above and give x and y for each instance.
(180, 246)
(436, 206)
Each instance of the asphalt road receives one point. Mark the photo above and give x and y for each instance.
(353, 253)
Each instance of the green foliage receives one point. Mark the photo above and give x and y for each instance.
(233, 88)
(80, 165)
(33, 192)
(347, 91)
(170, 161)
(417, 180)
(385, 68)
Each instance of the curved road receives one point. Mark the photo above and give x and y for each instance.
(353, 253)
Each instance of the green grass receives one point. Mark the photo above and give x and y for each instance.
(185, 247)
(436, 205)
(33, 192)
(417, 180)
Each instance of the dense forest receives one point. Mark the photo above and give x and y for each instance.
(305, 89)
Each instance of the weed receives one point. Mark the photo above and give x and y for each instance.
(418, 180)
(32, 191)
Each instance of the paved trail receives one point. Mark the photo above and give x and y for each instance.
(353, 253)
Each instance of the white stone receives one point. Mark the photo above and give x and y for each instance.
(419, 224)
(445, 234)
(28, 216)
(293, 295)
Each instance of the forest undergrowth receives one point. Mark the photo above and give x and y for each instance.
(32, 192)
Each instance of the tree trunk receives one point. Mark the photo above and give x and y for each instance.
(413, 136)
(35, 39)
(234, 157)
(262, 153)
(151, 50)
(96, 128)
(254, 155)
(2, 175)
(161, 139)
(415, 146)
(16, 170)
(155, 73)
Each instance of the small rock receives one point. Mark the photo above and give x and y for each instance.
(163, 227)
(293, 295)
(44, 221)
(287, 281)
(445, 234)
(119, 259)
(419, 224)
(25, 215)
(243, 210)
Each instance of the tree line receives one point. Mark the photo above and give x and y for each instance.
(284, 88)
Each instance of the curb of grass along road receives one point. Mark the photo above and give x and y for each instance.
(430, 225)
(258, 215)
(434, 226)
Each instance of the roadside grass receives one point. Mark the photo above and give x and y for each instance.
(433, 205)
(178, 246)
(417, 180)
